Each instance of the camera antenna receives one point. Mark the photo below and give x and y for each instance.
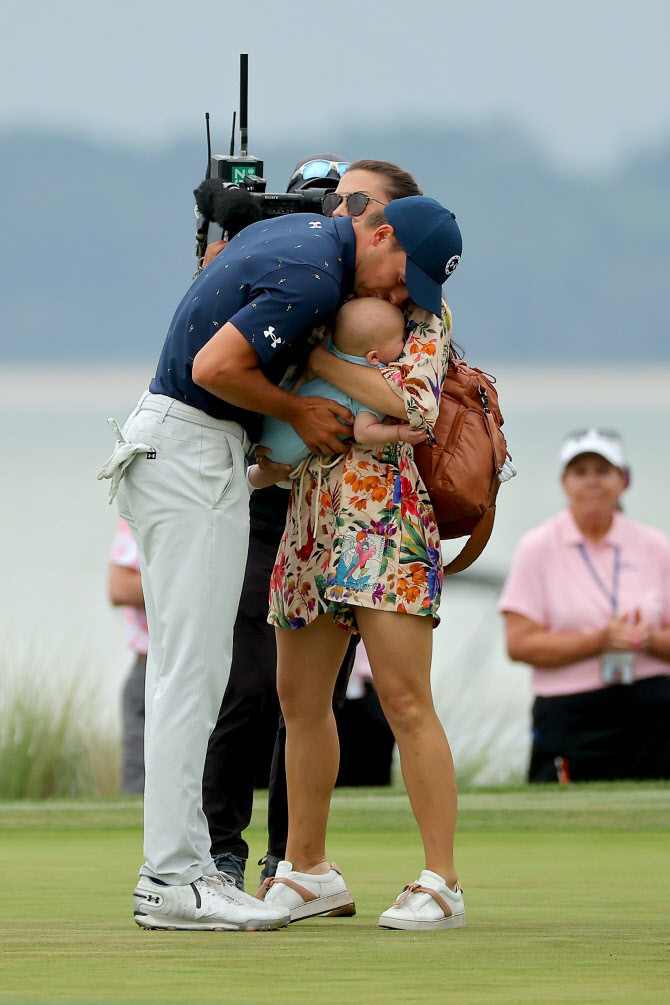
(208, 172)
(244, 95)
(232, 137)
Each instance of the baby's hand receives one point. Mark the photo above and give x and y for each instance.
(409, 435)
(267, 472)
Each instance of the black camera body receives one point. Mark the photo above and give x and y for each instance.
(233, 196)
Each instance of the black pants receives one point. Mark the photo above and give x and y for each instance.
(132, 744)
(613, 733)
(250, 722)
(366, 741)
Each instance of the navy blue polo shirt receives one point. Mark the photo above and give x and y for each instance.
(275, 281)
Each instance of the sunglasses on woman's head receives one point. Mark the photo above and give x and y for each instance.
(356, 202)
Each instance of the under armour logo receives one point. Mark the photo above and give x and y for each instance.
(151, 455)
(314, 225)
(150, 898)
(270, 333)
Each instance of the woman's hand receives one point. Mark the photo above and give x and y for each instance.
(641, 633)
(626, 632)
(617, 635)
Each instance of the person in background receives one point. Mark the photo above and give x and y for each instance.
(587, 605)
(366, 739)
(124, 586)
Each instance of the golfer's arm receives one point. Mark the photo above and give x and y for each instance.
(363, 383)
(227, 366)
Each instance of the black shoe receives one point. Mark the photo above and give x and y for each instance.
(233, 866)
(269, 863)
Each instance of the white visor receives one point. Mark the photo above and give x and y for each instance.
(592, 441)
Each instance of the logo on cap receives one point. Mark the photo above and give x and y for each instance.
(451, 264)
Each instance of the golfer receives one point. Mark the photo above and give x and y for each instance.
(184, 493)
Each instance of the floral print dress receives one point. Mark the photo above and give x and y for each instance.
(360, 529)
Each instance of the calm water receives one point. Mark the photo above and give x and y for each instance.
(58, 528)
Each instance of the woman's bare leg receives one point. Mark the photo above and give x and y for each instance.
(399, 647)
(308, 661)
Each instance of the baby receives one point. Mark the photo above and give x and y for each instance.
(369, 332)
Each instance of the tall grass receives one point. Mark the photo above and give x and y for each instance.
(54, 738)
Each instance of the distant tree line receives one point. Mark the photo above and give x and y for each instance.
(556, 267)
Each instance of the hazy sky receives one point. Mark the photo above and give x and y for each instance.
(589, 78)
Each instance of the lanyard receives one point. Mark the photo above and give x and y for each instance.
(613, 594)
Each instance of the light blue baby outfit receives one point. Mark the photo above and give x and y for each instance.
(282, 439)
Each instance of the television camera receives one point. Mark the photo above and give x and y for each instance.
(233, 193)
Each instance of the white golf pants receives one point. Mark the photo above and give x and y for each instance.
(188, 507)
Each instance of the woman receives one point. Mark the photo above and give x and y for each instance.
(366, 185)
(587, 604)
(361, 552)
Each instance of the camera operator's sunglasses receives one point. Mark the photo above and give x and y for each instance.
(320, 169)
(356, 202)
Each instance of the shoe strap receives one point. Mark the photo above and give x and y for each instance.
(263, 888)
(306, 894)
(417, 888)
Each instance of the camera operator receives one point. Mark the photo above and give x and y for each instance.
(250, 706)
(250, 701)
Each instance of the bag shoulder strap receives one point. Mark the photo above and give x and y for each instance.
(460, 372)
(475, 544)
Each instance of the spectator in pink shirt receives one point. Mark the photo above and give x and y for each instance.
(587, 605)
(125, 590)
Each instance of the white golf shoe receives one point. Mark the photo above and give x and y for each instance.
(426, 905)
(211, 903)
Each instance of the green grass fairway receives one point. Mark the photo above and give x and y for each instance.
(567, 893)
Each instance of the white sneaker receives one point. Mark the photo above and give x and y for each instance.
(426, 905)
(208, 904)
(305, 894)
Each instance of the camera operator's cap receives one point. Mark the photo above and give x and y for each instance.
(430, 236)
(317, 171)
(603, 442)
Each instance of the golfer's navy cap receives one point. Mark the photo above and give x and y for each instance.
(429, 235)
